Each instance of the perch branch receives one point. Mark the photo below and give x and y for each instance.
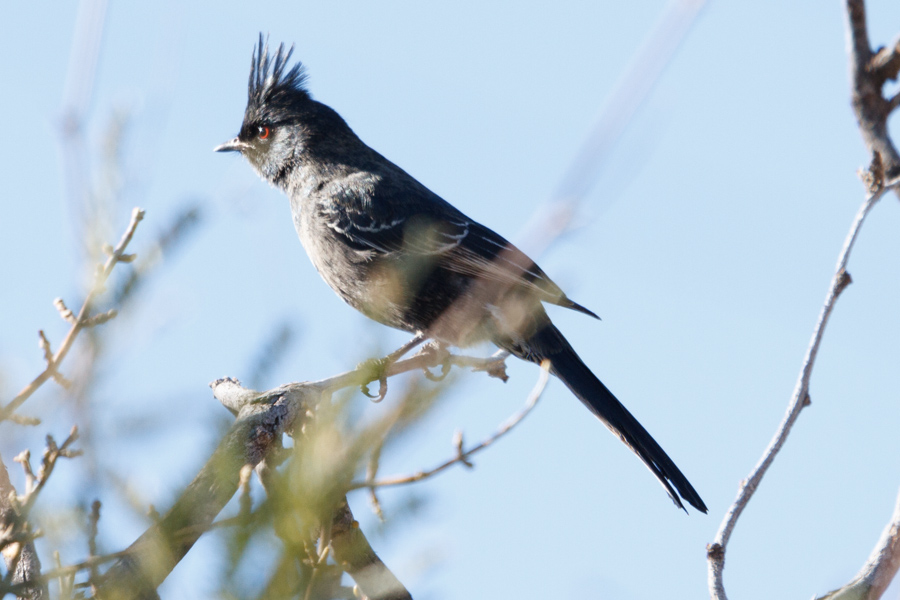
(261, 420)
(150, 559)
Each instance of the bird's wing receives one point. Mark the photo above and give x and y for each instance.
(462, 245)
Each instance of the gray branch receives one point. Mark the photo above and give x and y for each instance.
(869, 71)
(262, 418)
(878, 572)
(22, 562)
(151, 558)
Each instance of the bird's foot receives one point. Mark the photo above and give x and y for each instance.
(441, 356)
(402, 350)
(375, 369)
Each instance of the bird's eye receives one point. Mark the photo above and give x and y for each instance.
(263, 132)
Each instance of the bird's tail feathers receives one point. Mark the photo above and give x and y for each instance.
(549, 343)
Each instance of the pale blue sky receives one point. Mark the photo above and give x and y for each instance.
(706, 248)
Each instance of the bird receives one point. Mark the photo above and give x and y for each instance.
(403, 256)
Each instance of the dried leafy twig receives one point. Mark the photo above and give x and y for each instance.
(82, 320)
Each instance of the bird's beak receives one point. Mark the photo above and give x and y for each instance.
(234, 145)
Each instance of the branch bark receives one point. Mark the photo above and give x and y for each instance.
(716, 551)
(152, 557)
(878, 572)
(22, 562)
(357, 558)
(262, 418)
(869, 71)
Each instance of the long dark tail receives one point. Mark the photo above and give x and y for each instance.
(549, 343)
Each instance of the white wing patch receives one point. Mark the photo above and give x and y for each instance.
(378, 227)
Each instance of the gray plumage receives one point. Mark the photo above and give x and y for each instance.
(403, 256)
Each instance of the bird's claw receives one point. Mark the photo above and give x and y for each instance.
(375, 369)
(445, 370)
(438, 351)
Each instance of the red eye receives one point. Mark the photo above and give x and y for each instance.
(263, 132)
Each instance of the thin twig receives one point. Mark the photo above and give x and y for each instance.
(799, 399)
(463, 456)
(93, 529)
(81, 321)
(869, 71)
(52, 454)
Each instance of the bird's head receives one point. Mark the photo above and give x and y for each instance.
(282, 121)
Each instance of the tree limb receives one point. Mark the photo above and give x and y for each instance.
(22, 562)
(878, 572)
(357, 558)
(151, 558)
(869, 71)
(261, 420)
(799, 399)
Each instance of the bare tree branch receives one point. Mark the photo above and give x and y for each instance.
(887, 61)
(878, 572)
(357, 558)
(799, 399)
(150, 559)
(869, 71)
(22, 563)
(261, 420)
(462, 456)
(84, 319)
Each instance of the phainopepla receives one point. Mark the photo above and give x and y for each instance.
(403, 256)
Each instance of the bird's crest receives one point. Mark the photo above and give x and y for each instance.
(269, 85)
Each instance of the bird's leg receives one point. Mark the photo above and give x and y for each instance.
(399, 352)
(377, 367)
